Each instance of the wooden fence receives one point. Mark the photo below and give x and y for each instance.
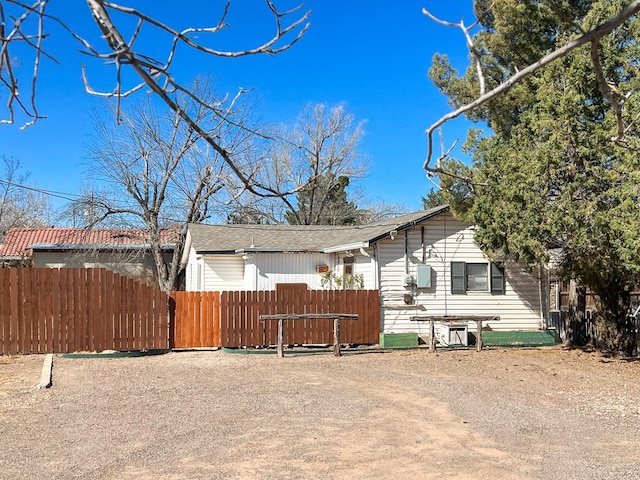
(588, 301)
(44, 310)
(240, 326)
(195, 319)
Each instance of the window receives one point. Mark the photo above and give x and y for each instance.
(476, 277)
(347, 263)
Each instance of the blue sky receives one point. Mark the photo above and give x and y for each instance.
(373, 56)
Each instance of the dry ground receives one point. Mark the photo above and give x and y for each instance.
(500, 414)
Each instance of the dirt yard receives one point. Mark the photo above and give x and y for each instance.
(500, 414)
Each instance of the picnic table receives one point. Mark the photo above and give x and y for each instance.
(281, 317)
(454, 319)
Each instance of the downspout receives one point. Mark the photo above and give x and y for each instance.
(377, 275)
(406, 252)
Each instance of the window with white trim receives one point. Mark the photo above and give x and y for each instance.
(476, 277)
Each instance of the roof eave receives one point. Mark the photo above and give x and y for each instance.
(346, 247)
(408, 225)
(55, 247)
(277, 250)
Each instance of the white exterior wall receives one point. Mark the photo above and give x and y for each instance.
(272, 268)
(447, 240)
(194, 272)
(222, 272)
(262, 271)
(364, 265)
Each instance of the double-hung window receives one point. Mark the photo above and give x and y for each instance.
(476, 277)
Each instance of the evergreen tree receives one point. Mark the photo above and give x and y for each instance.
(323, 201)
(555, 171)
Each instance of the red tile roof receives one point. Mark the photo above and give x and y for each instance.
(18, 239)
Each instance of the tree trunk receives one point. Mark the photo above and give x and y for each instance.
(617, 330)
(575, 323)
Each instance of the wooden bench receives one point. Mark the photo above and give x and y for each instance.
(454, 319)
(281, 317)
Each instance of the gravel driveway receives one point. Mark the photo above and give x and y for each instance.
(528, 413)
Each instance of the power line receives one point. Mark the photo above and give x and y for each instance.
(62, 195)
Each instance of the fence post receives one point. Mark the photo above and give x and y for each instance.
(280, 337)
(479, 336)
(432, 336)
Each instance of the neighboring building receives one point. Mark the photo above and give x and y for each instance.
(123, 251)
(424, 263)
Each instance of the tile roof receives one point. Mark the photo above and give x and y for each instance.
(298, 238)
(18, 239)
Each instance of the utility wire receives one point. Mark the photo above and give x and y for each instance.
(62, 195)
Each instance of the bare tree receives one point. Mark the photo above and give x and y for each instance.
(159, 173)
(21, 205)
(23, 26)
(316, 156)
(616, 94)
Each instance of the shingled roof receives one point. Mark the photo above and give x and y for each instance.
(298, 238)
(20, 242)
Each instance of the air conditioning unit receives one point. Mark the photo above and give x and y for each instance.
(453, 334)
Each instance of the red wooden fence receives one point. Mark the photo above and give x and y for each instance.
(240, 326)
(195, 319)
(44, 310)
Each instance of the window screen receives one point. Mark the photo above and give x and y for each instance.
(477, 277)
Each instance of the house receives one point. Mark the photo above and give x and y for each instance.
(120, 250)
(423, 263)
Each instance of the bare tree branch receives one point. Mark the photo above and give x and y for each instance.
(151, 73)
(610, 92)
(589, 37)
(122, 53)
(470, 45)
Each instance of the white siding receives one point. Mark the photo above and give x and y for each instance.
(447, 240)
(364, 265)
(223, 272)
(262, 271)
(194, 272)
(272, 268)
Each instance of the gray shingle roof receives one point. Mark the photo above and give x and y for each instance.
(298, 238)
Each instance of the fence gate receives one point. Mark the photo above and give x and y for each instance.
(195, 320)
